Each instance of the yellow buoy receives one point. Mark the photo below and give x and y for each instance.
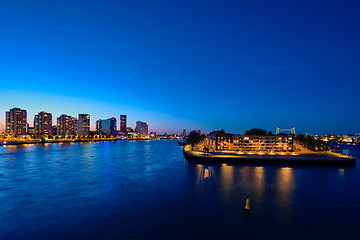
(247, 206)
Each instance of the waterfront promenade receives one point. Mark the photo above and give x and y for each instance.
(39, 141)
(302, 157)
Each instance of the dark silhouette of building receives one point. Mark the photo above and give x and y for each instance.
(183, 134)
(122, 122)
(54, 130)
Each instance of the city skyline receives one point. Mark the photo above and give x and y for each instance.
(93, 124)
(185, 65)
(43, 123)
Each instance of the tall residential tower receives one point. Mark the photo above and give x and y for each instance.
(122, 122)
(83, 126)
(66, 125)
(142, 128)
(43, 124)
(16, 120)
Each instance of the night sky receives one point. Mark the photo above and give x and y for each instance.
(185, 64)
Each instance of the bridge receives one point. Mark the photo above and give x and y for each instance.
(291, 130)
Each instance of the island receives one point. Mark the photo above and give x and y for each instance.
(221, 147)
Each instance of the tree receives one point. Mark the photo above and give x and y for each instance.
(203, 137)
(311, 143)
(193, 138)
(300, 138)
(270, 133)
(256, 132)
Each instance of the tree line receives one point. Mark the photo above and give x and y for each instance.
(311, 143)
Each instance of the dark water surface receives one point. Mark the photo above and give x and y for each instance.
(147, 190)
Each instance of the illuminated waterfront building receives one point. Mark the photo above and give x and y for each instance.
(107, 126)
(97, 125)
(54, 130)
(66, 125)
(30, 130)
(219, 140)
(43, 124)
(122, 122)
(142, 128)
(16, 120)
(83, 125)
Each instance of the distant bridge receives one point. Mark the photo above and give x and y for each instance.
(291, 130)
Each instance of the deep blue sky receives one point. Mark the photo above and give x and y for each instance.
(185, 64)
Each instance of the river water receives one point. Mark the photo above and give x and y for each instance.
(147, 190)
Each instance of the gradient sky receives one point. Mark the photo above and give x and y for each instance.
(185, 64)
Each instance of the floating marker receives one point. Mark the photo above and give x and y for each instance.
(247, 206)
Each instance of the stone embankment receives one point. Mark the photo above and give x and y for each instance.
(285, 159)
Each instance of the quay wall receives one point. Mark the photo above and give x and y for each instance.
(288, 160)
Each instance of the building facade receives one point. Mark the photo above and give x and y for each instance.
(142, 128)
(43, 124)
(221, 141)
(54, 130)
(122, 122)
(107, 126)
(66, 125)
(16, 121)
(83, 125)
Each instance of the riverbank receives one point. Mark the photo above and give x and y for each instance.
(284, 159)
(38, 141)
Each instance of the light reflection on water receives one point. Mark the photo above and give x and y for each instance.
(285, 185)
(148, 190)
(231, 180)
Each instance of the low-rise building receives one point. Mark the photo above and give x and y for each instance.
(221, 141)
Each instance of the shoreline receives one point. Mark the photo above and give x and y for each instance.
(14, 143)
(306, 159)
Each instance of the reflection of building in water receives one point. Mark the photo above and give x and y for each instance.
(341, 174)
(206, 173)
(259, 180)
(286, 185)
(219, 140)
(252, 181)
(227, 180)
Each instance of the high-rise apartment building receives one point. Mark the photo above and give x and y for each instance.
(43, 124)
(98, 126)
(107, 126)
(122, 122)
(142, 128)
(83, 126)
(66, 125)
(16, 120)
(54, 130)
